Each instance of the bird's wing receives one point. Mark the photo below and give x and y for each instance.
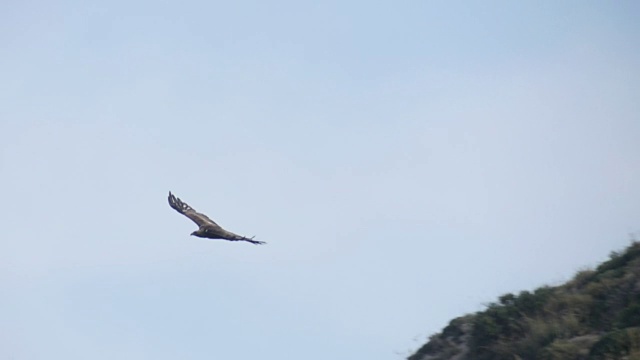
(255, 242)
(228, 235)
(188, 211)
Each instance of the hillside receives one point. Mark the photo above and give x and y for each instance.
(596, 315)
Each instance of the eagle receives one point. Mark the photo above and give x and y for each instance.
(207, 227)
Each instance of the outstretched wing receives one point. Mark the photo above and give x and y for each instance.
(255, 242)
(186, 210)
(228, 235)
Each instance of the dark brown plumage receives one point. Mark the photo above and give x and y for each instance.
(207, 227)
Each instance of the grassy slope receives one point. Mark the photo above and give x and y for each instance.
(596, 315)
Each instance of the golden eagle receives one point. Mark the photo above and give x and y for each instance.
(208, 228)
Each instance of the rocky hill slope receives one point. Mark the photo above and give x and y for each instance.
(594, 316)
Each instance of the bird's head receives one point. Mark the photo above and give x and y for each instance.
(199, 233)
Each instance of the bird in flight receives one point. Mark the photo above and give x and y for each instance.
(207, 227)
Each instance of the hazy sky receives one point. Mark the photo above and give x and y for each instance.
(407, 162)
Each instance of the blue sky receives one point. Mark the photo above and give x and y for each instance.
(407, 163)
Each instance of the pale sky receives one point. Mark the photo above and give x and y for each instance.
(407, 163)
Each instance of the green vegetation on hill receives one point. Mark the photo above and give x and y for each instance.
(594, 316)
